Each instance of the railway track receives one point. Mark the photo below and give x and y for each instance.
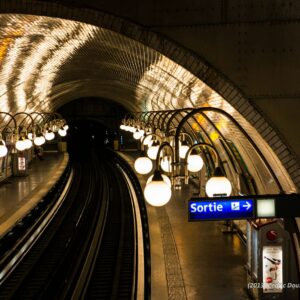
(89, 250)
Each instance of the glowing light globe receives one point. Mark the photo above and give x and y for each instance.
(40, 140)
(166, 164)
(195, 163)
(166, 179)
(143, 165)
(147, 140)
(20, 145)
(49, 135)
(157, 193)
(131, 129)
(3, 150)
(152, 152)
(183, 149)
(218, 186)
(66, 127)
(28, 143)
(62, 132)
(137, 135)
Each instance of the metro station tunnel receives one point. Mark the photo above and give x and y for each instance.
(149, 149)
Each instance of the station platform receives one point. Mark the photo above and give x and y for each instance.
(19, 194)
(192, 260)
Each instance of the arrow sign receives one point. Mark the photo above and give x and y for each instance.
(248, 205)
(220, 209)
(244, 207)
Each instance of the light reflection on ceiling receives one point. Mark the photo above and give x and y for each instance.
(46, 62)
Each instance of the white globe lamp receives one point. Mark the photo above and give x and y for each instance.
(49, 135)
(131, 129)
(194, 163)
(165, 164)
(3, 149)
(183, 149)
(27, 143)
(153, 150)
(147, 140)
(165, 178)
(157, 192)
(137, 134)
(62, 132)
(143, 165)
(30, 135)
(20, 145)
(218, 185)
(39, 140)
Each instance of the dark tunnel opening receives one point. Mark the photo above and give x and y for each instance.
(85, 136)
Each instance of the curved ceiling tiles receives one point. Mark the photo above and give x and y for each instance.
(46, 62)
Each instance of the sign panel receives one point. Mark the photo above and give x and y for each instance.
(244, 207)
(21, 164)
(220, 209)
(272, 269)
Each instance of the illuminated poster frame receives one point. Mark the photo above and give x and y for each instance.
(21, 163)
(272, 268)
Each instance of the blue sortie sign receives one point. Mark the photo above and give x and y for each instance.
(220, 209)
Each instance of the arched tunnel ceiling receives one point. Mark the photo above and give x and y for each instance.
(47, 62)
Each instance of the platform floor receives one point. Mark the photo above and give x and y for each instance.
(19, 194)
(192, 260)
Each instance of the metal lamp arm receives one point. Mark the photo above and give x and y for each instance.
(12, 118)
(161, 147)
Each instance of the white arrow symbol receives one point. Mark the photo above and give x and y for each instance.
(248, 205)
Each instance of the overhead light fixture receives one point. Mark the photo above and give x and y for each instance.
(27, 143)
(138, 134)
(143, 165)
(3, 148)
(157, 192)
(218, 185)
(152, 151)
(165, 178)
(183, 149)
(66, 127)
(62, 132)
(49, 135)
(39, 140)
(194, 162)
(147, 140)
(30, 135)
(20, 145)
(166, 163)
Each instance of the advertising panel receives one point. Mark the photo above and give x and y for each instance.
(21, 164)
(272, 269)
